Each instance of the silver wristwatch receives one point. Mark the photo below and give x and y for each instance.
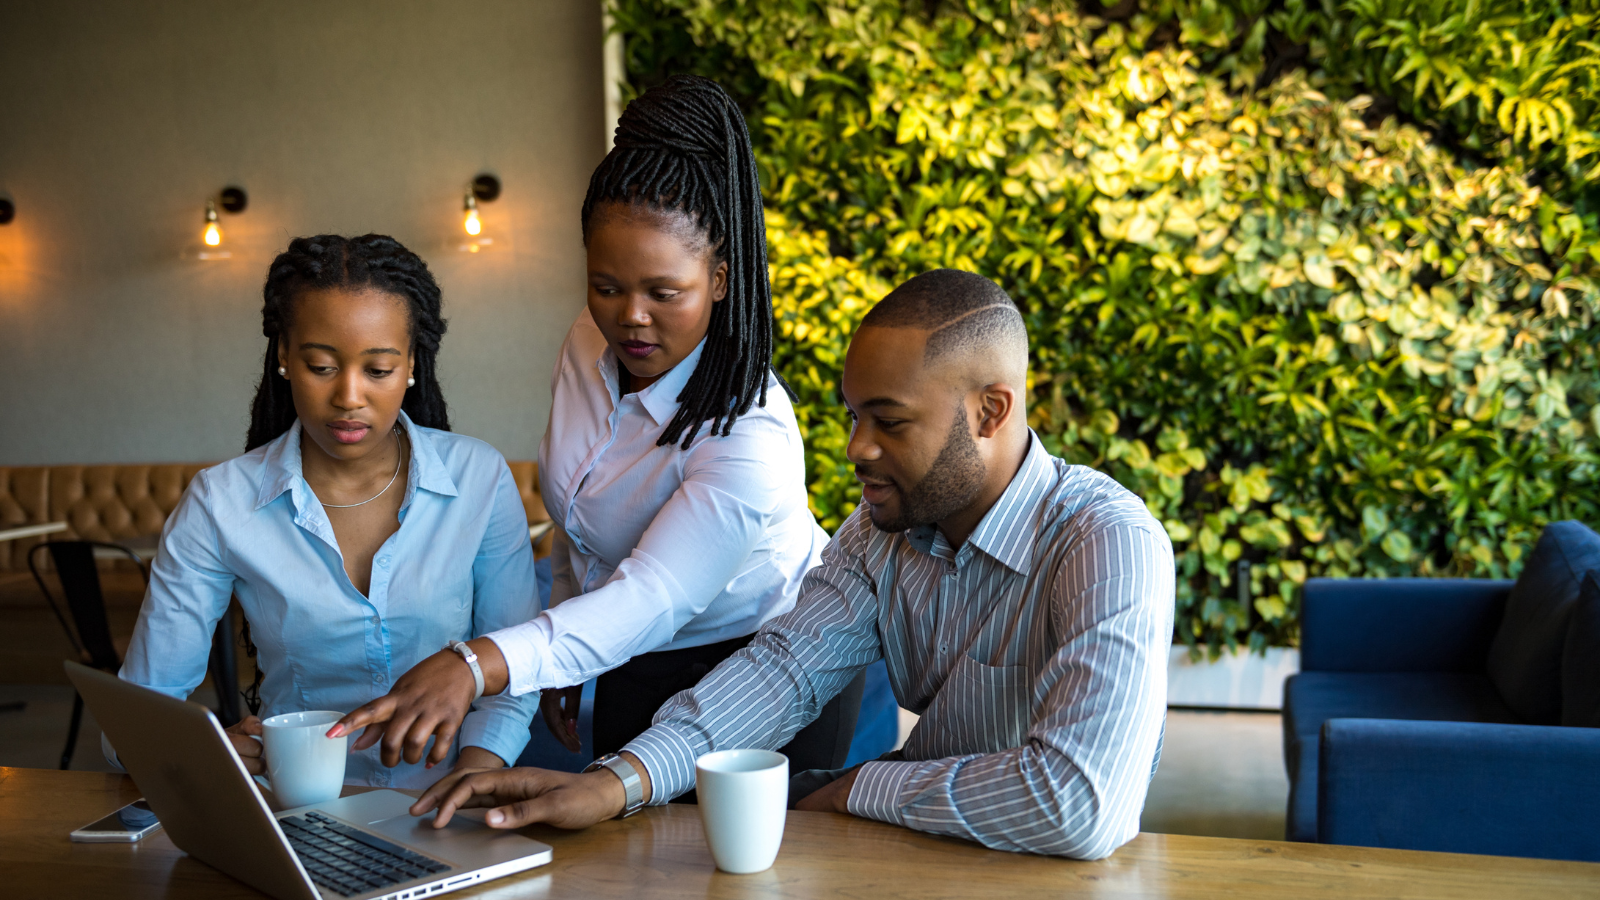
(472, 663)
(632, 785)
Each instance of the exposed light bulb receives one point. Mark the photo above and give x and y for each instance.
(213, 234)
(472, 223)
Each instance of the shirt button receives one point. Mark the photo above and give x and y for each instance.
(383, 561)
(376, 678)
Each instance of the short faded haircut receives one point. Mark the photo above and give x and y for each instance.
(964, 311)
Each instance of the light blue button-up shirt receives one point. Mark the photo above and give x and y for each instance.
(459, 566)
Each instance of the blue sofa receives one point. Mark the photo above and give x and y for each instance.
(1409, 723)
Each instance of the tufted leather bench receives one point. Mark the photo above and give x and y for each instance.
(111, 503)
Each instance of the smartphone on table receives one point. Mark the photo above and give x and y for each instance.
(124, 826)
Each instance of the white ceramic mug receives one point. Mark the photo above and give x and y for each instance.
(304, 765)
(744, 798)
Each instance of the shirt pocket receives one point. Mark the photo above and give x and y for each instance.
(436, 608)
(979, 709)
(452, 589)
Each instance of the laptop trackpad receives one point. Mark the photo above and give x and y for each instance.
(465, 842)
(366, 808)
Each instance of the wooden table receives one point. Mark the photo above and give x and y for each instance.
(661, 853)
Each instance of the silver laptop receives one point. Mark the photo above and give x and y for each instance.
(361, 847)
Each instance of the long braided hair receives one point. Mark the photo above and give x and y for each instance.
(682, 147)
(331, 261)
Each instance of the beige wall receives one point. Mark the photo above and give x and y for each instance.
(118, 120)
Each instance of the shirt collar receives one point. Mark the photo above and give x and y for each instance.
(660, 399)
(280, 465)
(282, 470)
(1009, 530)
(427, 469)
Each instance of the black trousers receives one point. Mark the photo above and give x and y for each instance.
(627, 697)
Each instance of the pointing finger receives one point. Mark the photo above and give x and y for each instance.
(379, 710)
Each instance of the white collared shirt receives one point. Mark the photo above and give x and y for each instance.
(658, 548)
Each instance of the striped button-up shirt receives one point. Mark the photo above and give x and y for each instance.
(1035, 652)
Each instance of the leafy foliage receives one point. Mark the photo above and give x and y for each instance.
(1511, 76)
(1311, 342)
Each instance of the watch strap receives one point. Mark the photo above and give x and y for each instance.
(632, 784)
(471, 658)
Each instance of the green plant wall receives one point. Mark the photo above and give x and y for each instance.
(1312, 337)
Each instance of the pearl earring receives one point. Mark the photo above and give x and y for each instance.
(411, 382)
(282, 371)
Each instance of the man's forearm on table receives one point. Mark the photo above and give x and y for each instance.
(1030, 799)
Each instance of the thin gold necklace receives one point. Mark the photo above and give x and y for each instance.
(399, 458)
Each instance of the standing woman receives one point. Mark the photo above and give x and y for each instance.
(358, 533)
(672, 465)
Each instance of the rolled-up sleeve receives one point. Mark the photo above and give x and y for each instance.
(1077, 785)
(765, 693)
(505, 593)
(695, 545)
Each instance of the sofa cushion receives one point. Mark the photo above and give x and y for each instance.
(1525, 657)
(1311, 698)
(1580, 659)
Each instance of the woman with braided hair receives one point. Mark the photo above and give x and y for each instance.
(672, 464)
(357, 532)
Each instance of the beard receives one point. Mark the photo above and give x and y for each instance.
(950, 485)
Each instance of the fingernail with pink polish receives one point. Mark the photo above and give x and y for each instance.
(494, 817)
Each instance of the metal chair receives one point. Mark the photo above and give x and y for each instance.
(90, 631)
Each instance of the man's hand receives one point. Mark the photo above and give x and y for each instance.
(524, 796)
(831, 797)
(248, 748)
(560, 709)
(428, 701)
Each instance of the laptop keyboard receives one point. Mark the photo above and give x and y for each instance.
(351, 861)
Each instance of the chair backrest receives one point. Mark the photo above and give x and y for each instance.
(80, 586)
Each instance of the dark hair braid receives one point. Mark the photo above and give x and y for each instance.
(331, 261)
(683, 147)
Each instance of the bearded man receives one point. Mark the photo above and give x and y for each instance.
(1024, 607)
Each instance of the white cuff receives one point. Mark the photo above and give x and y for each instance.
(526, 651)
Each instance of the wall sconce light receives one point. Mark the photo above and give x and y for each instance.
(232, 200)
(485, 189)
(212, 236)
(8, 211)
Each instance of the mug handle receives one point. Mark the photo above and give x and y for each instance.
(261, 779)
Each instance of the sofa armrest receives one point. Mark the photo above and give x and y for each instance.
(1460, 787)
(1399, 624)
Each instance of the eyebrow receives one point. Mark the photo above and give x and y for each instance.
(883, 401)
(652, 280)
(370, 350)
